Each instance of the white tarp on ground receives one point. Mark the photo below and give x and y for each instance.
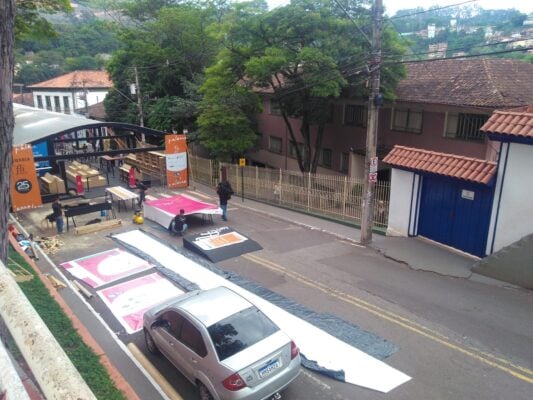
(317, 345)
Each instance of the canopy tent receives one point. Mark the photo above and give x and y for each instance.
(34, 125)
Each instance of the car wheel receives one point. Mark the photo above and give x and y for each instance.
(150, 344)
(205, 394)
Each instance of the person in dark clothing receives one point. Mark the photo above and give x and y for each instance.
(224, 191)
(179, 224)
(142, 192)
(57, 215)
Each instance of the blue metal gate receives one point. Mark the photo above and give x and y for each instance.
(455, 213)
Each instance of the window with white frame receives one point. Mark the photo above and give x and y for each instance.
(345, 162)
(57, 104)
(39, 101)
(407, 120)
(326, 157)
(66, 104)
(48, 103)
(355, 115)
(275, 144)
(465, 126)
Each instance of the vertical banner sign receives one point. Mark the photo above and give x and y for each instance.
(176, 157)
(373, 173)
(131, 177)
(24, 186)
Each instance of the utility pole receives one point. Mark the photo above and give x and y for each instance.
(374, 101)
(139, 100)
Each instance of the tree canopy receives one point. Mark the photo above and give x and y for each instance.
(169, 52)
(304, 55)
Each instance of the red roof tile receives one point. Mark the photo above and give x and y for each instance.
(77, 79)
(466, 168)
(511, 123)
(481, 82)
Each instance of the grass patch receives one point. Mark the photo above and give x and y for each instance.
(81, 355)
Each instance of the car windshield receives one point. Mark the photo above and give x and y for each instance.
(239, 331)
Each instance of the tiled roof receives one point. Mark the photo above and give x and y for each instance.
(479, 82)
(511, 123)
(451, 165)
(77, 79)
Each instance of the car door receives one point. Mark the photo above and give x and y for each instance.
(192, 349)
(167, 338)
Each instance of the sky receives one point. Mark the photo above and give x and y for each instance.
(392, 6)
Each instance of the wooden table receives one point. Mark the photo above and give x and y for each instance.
(122, 195)
(82, 209)
(108, 161)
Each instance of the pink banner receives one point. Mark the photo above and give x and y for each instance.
(129, 300)
(108, 266)
(174, 204)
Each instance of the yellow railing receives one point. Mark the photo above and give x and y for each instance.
(333, 196)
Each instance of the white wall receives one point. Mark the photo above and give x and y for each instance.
(75, 102)
(403, 203)
(512, 210)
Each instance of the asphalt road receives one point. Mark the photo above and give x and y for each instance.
(457, 339)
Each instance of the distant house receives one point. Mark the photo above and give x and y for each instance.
(71, 93)
(440, 106)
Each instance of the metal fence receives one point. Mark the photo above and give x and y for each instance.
(336, 197)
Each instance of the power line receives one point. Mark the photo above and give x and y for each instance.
(464, 56)
(428, 53)
(433, 9)
(353, 21)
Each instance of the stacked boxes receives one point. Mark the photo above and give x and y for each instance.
(52, 184)
(89, 176)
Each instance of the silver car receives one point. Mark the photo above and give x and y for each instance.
(223, 344)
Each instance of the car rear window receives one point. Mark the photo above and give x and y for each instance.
(239, 331)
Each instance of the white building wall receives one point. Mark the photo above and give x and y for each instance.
(75, 99)
(403, 203)
(512, 211)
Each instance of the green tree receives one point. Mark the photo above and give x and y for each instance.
(306, 55)
(170, 53)
(30, 19)
(25, 21)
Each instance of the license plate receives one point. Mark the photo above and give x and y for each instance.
(271, 366)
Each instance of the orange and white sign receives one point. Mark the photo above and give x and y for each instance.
(219, 240)
(176, 158)
(25, 191)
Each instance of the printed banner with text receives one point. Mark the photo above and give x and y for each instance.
(176, 157)
(25, 191)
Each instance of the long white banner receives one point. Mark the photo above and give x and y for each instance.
(317, 345)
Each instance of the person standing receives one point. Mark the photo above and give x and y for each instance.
(142, 192)
(224, 191)
(57, 212)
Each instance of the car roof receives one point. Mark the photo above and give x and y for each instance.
(213, 305)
